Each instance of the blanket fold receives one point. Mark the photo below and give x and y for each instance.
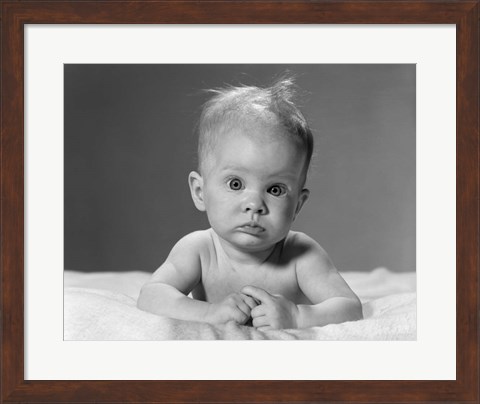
(102, 306)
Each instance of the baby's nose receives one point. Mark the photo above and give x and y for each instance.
(254, 204)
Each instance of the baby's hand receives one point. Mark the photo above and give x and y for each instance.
(236, 307)
(273, 312)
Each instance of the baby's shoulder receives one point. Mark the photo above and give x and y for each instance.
(300, 247)
(196, 240)
(296, 239)
(196, 249)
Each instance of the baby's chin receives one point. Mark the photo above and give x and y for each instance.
(252, 243)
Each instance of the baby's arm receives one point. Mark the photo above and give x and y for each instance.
(333, 300)
(167, 292)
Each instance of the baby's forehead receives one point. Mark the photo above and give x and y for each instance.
(261, 128)
(261, 146)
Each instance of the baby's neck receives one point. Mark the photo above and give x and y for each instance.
(245, 257)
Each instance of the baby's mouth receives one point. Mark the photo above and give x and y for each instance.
(252, 228)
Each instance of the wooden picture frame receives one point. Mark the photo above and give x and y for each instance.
(15, 14)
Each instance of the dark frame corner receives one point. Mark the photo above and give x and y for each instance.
(15, 14)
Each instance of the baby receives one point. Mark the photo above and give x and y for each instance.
(254, 153)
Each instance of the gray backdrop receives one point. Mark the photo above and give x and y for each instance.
(130, 144)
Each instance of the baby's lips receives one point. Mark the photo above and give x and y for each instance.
(252, 224)
(252, 228)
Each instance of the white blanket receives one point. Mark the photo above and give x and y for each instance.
(102, 306)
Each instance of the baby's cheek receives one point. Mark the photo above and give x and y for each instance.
(285, 219)
(289, 210)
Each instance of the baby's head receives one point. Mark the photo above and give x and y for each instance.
(245, 107)
(254, 152)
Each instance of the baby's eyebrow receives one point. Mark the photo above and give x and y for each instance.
(234, 168)
(290, 178)
(281, 175)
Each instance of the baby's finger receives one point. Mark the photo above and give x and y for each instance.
(261, 321)
(259, 311)
(257, 293)
(244, 307)
(240, 317)
(250, 301)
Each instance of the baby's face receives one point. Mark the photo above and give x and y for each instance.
(252, 190)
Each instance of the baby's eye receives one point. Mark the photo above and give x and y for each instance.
(235, 184)
(277, 190)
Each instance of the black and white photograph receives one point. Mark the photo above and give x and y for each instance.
(240, 202)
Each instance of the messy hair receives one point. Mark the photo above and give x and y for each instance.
(232, 106)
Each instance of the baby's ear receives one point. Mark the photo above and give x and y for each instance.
(195, 181)
(304, 194)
